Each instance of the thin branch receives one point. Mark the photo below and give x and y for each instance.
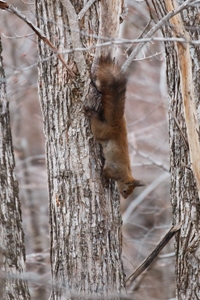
(119, 42)
(139, 37)
(85, 8)
(143, 195)
(136, 41)
(146, 263)
(140, 42)
(17, 36)
(153, 31)
(75, 35)
(167, 255)
(38, 32)
(41, 280)
(106, 38)
(156, 163)
(150, 56)
(144, 30)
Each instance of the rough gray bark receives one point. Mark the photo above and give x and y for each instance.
(184, 181)
(85, 218)
(12, 250)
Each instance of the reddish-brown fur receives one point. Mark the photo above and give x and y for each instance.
(109, 125)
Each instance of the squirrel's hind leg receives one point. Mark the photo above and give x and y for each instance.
(100, 129)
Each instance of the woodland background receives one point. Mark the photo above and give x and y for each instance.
(146, 113)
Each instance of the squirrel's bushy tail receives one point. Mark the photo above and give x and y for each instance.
(111, 83)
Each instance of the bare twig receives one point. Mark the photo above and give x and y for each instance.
(17, 36)
(167, 255)
(156, 163)
(41, 280)
(154, 30)
(140, 42)
(39, 33)
(150, 56)
(75, 35)
(143, 195)
(135, 41)
(85, 8)
(139, 37)
(146, 263)
(127, 41)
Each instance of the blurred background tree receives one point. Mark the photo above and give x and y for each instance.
(12, 247)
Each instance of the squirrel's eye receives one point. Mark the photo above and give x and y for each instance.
(124, 191)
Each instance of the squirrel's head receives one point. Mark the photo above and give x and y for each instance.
(126, 188)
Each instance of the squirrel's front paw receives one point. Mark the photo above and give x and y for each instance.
(105, 178)
(88, 111)
(105, 182)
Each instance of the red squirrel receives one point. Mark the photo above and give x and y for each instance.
(109, 125)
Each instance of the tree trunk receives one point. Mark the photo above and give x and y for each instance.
(85, 218)
(184, 120)
(12, 250)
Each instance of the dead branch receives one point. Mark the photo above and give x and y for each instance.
(75, 35)
(85, 8)
(153, 30)
(141, 197)
(135, 41)
(146, 263)
(38, 32)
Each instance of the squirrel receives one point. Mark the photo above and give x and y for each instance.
(109, 125)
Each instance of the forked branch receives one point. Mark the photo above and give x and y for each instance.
(6, 6)
(153, 30)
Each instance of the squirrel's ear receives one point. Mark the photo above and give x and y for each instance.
(138, 183)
